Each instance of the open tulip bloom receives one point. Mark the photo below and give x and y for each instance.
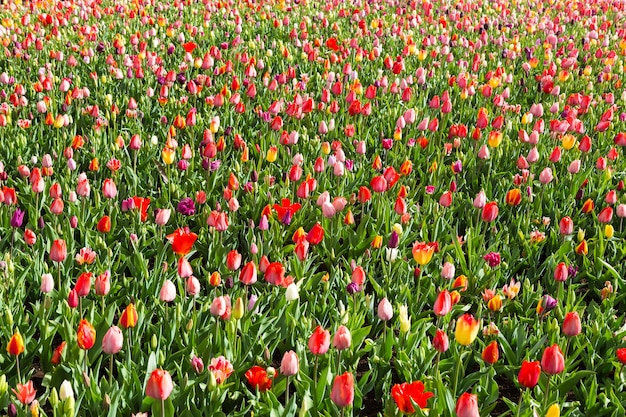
(290, 206)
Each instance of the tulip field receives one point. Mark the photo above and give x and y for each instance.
(312, 208)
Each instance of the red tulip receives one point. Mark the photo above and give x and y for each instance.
(58, 251)
(467, 405)
(83, 284)
(440, 341)
(315, 235)
(248, 275)
(566, 226)
(378, 184)
(621, 355)
(561, 272)
(552, 361)
(571, 324)
(319, 341)
(257, 378)
(529, 374)
(182, 241)
(233, 260)
(491, 353)
(159, 385)
(443, 304)
(25, 393)
(86, 335)
(275, 274)
(404, 393)
(342, 393)
(142, 204)
(58, 353)
(490, 212)
(606, 215)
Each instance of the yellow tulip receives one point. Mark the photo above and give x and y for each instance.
(466, 329)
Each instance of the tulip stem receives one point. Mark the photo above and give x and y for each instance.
(162, 407)
(111, 371)
(339, 363)
(287, 393)
(315, 371)
(17, 365)
(456, 374)
(545, 401)
(519, 403)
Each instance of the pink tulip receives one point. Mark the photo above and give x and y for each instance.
(385, 311)
(113, 341)
(168, 292)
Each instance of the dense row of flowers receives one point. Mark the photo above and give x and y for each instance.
(339, 207)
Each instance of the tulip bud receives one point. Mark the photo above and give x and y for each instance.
(238, 310)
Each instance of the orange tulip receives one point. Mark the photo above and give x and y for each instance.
(16, 344)
(129, 317)
(86, 335)
(513, 197)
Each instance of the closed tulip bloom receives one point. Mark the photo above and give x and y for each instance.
(513, 197)
(440, 341)
(162, 216)
(566, 226)
(491, 353)
(218, 306)
(103, 283)
(443, 304)
(342, 393)
(448, 270)
(553, 411)
(621, 211)
(83, 284)
(129, 317)
(620, 353)
(233, 260)
(47, 283)
(466, 329)
(480, 200)
(529, 374)
(342, 338)
(168, 292)
(109, 189)
(72, 298)
(571, 324)
(588, 206)
(184, 268)
(159, 385)
(319, 341)
(289, 364)
(561, 272)
(16, 345)
(385, 311)
(467, 405)
(192, 286)
(574, 166)
(606, 215)
(552, 361)
(248, 275)
(545, 177)
(112, 341)
(58, 251)
(86, 335)
(490, 212)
